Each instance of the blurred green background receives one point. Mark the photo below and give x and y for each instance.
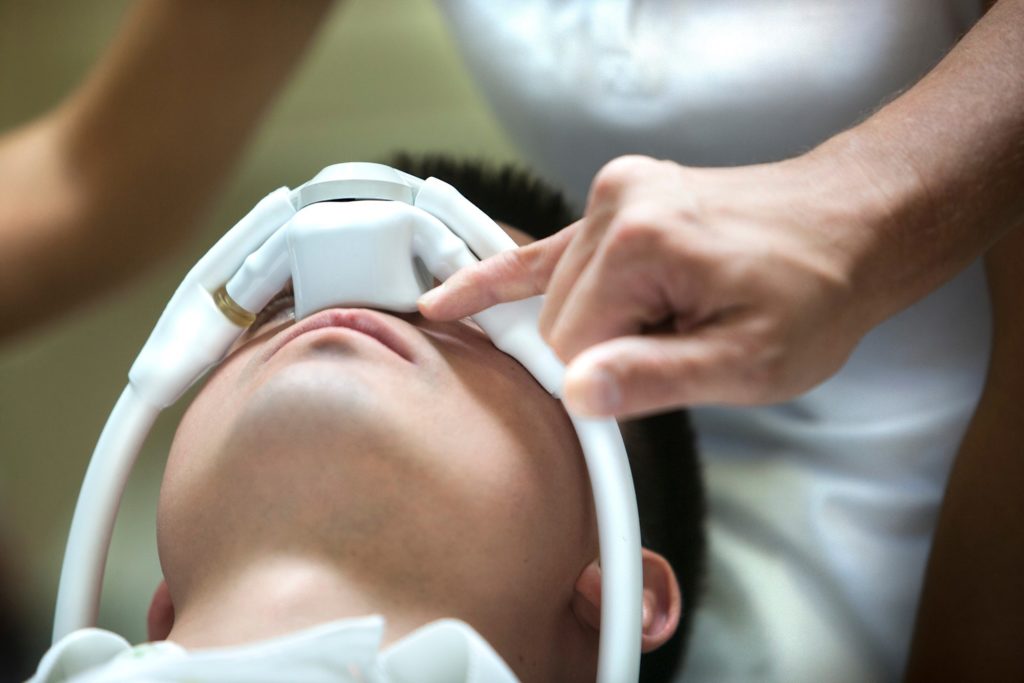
(381, 77)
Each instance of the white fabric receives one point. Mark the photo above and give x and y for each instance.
(705, 82)
(822, 509)
(444, 651)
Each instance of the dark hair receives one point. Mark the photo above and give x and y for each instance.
(662, 450)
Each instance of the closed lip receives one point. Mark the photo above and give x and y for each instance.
(376, 325)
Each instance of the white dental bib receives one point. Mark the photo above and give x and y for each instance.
(355, 235)
(343, 651)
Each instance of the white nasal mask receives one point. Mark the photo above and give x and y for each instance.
(357, 234)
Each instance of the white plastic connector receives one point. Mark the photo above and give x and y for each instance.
(512, 327)
(476, 228)
(262, 275)
(352, 254)
(192, 334)
(362, 254)
(357, 180)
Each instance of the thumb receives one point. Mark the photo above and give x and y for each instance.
(630, 375)
(508, 276)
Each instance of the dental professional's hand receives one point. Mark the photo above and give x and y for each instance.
(749, 285)
(683, 285)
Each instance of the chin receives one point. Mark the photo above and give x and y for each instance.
(322, 408)
(316, 392)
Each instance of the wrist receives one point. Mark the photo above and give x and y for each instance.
(891, 233)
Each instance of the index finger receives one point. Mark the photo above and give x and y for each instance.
(508, 276)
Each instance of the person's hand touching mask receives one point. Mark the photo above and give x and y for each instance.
(683, 285)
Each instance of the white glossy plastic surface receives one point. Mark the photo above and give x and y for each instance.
(618, 524)
(356, 180)
(192, 334)
(262, 275)
(361, 254)
(366, 260)
(512, 327)
(85, 557)
(476, 228)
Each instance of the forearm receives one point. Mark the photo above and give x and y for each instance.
(971, 616)
(959, 135)
(947, 161)
(126, 165)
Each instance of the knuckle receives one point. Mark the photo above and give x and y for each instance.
(629, 164)
(513, 266)
(506, 274)
(475, 278)
(604, 189)
(479, 285)
(635, 230)
(615, 174)
(534, 267)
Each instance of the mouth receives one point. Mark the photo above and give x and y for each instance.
(372, 324)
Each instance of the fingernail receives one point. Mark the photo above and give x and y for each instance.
(592, 391)
(428, 298)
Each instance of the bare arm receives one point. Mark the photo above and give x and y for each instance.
(949, 155)
(971, 618)
(123, 169)
(971, 615)
(686, 286)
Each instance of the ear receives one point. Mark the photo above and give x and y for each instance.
(662, 600)
(160, 618)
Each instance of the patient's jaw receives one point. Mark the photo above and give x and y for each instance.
(441, 482)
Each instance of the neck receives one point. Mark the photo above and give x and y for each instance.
(273, 596)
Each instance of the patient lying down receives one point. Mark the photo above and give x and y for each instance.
(362, 463)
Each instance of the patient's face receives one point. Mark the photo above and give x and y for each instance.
(415, 453)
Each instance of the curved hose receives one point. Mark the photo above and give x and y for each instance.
(618, 526)
(81, 577)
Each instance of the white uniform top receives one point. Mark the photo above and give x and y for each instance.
(821, 508)
(445, 651)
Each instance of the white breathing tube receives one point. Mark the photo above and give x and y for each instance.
(344, 253)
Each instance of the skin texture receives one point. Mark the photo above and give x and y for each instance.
(339, 437)
(684, 296)
(916, 192)
(328, 475)
(749, 285)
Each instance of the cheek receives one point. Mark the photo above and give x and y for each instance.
(517, 442)
(206, 422)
